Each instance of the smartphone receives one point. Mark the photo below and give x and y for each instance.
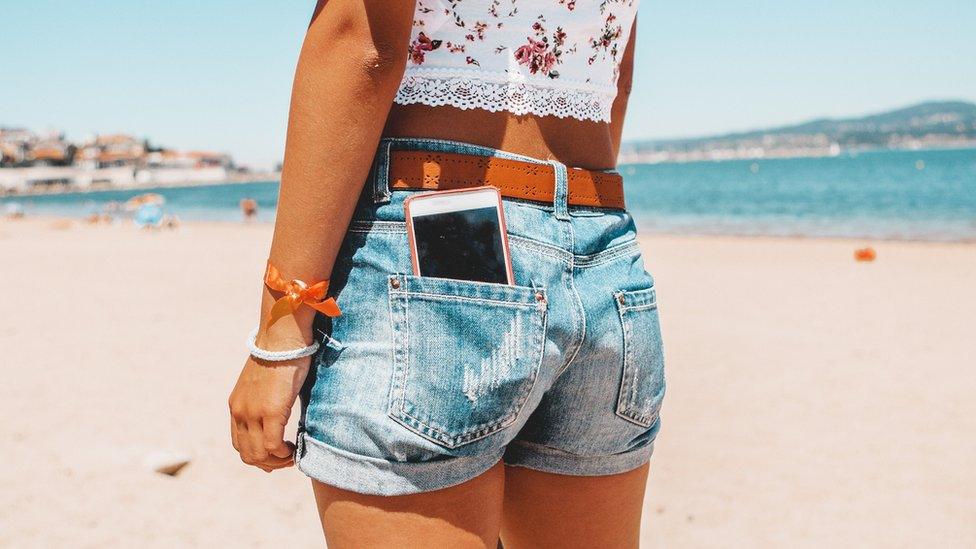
(459, 234)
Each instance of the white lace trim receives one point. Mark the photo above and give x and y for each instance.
(515, 96)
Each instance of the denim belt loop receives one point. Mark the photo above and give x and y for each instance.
(560, 202)
(381, 173)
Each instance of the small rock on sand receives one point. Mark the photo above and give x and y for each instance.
(166, 463)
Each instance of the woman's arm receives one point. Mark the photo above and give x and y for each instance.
(348, 72)
(624, 84)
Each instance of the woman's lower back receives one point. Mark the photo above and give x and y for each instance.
(576, 143)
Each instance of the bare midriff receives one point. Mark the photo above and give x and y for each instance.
(576, 143)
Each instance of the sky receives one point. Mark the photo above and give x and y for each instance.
(216, 75)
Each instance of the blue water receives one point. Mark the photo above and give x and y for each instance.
(925, 195)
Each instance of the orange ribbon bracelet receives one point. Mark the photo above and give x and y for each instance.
(298, 293)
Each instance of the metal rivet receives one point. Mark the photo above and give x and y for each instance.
(621, 299)
(394, 282)
(540, 297)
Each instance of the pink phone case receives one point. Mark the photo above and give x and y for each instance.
(501, 222)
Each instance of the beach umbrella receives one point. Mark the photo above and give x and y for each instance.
(148, 215)
(134, 203)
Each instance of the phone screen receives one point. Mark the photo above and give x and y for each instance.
(463, 245)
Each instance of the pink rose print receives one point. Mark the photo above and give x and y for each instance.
(537, 56)
(420, 47)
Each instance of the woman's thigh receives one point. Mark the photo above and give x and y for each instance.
(549, 510)
(467, 515)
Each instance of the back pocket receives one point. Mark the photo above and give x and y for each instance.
(642, 382)
(465, 355)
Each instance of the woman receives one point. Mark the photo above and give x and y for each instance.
(408, 443)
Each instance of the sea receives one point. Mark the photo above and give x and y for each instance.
(907, 195)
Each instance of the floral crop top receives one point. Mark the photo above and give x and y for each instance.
(543, 57)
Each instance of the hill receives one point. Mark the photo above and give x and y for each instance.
(930, 124)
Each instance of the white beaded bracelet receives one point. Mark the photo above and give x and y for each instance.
(278, 356)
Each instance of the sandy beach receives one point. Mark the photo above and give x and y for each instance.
(813, 401)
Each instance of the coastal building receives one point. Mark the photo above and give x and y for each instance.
(10, 154)
(188, 160)
(211, 159)
(86, 157)
(30, 163)
(51, 152)
(119, 151)
(15, 143)
(167, 159)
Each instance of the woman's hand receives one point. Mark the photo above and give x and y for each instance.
(262, 399)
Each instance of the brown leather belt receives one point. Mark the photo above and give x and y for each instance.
(514, 178)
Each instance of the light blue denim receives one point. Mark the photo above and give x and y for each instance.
(425, 383)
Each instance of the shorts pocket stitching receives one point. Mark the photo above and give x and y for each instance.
(626, 308)
(629, 405)
(534, 314)
(441, 297)
(606, 256)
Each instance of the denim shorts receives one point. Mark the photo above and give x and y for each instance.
(425, 383)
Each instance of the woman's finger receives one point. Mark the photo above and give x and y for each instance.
(274, 463)
(255, 442)
(233, 434)
(244, 442)
(274, 438)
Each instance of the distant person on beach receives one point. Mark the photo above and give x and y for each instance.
(249, 208)
(446, 412)
(14, 210)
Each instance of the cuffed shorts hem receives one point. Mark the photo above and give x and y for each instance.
(379, 477)
(551, 460)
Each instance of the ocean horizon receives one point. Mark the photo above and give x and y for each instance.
(904, 194)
